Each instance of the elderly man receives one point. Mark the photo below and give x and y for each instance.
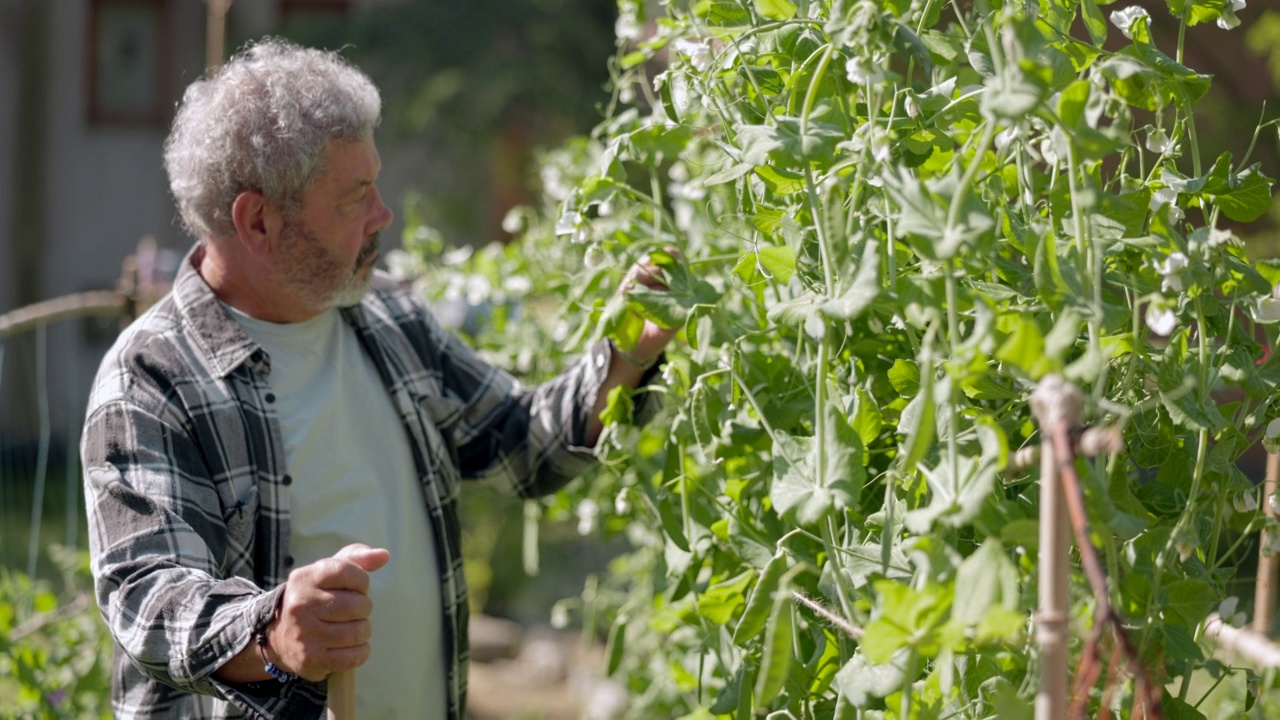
(273, 452)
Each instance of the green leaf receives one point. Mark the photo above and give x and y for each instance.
(1094, 22)
(805, 489)
(729, 174)
(861, 680)
(780, 181)
(867, 419)
(778, 261)
(775, 9)
(659, 306)
(1178, 709)
(1024, 346)
(1010, 95)
(620, 408)
(1248, 196)
(917, 425)
(722, 13)
(1189, 601)
(908, 617)
(1072, 103)
(720, 601)
(862, 291)
(1202, 11)
(904, 376)
(988, 579)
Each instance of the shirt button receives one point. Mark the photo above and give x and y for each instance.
(270, 398)
(600, 360)
(287, 480)
(288, 561)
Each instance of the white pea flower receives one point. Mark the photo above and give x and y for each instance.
(1161, 320)
(559, 616)
(1048, 152)
(1228, 610)
(1245, 502)
(1228, 20)
(880, 149)
(588, 513)
(1171, 270)
(568, 222)
(863, 70)
(401, 265)
(628, 26)
(1157, 140)
(517, 284)
(1266, 311)
(1162, 197)
(1006, 137)
(1124, 19)
(622, 503)
(458, 255)
(910, 104)
(698, 52)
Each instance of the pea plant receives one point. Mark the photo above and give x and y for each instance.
(882, 223)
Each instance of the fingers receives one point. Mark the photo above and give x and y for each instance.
(367, 558)
(324, 623)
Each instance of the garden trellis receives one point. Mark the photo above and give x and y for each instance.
(893, 220)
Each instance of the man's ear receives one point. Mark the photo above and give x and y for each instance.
(258, 223)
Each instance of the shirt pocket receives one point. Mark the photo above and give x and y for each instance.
(240, 520)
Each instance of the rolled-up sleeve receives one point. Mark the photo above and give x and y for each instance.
(528, 439)
(156, 531)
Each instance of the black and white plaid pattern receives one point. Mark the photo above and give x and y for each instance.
(188, 493)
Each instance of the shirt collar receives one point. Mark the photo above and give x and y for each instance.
(222, 340)
(220, 337)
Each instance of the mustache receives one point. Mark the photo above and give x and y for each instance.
(371, 247)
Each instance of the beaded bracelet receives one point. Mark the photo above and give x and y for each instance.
(271, 668)
(632, 359)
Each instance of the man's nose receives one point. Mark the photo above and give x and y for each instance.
(382, 215)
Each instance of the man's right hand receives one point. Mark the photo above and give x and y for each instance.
(323, 626)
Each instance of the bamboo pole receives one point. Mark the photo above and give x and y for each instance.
(1051, 400)
(342, 696)
(100, 303)
(215, 33)
(1264, 605)
(1251, 646)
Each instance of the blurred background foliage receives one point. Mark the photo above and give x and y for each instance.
(483, 84)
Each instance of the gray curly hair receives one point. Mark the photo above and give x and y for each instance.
(262, 122)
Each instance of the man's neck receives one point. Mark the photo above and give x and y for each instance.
(248, 285)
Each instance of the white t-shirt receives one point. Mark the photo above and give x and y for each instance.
(354, 481)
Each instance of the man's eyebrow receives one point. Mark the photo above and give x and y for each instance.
(358, 186)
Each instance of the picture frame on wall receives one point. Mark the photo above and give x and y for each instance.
(129, 48)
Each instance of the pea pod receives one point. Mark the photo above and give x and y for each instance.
(760, 602)
(776, 653)
(617, 644)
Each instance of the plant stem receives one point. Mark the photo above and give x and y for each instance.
(953, 339)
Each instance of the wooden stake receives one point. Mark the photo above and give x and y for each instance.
(1264, 605)
(342, 696)
(1047, 402)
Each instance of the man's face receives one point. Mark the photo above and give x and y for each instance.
(329, 245)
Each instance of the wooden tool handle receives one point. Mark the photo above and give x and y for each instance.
(342, 696)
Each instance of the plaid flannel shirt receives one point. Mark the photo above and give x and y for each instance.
(188, 493)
